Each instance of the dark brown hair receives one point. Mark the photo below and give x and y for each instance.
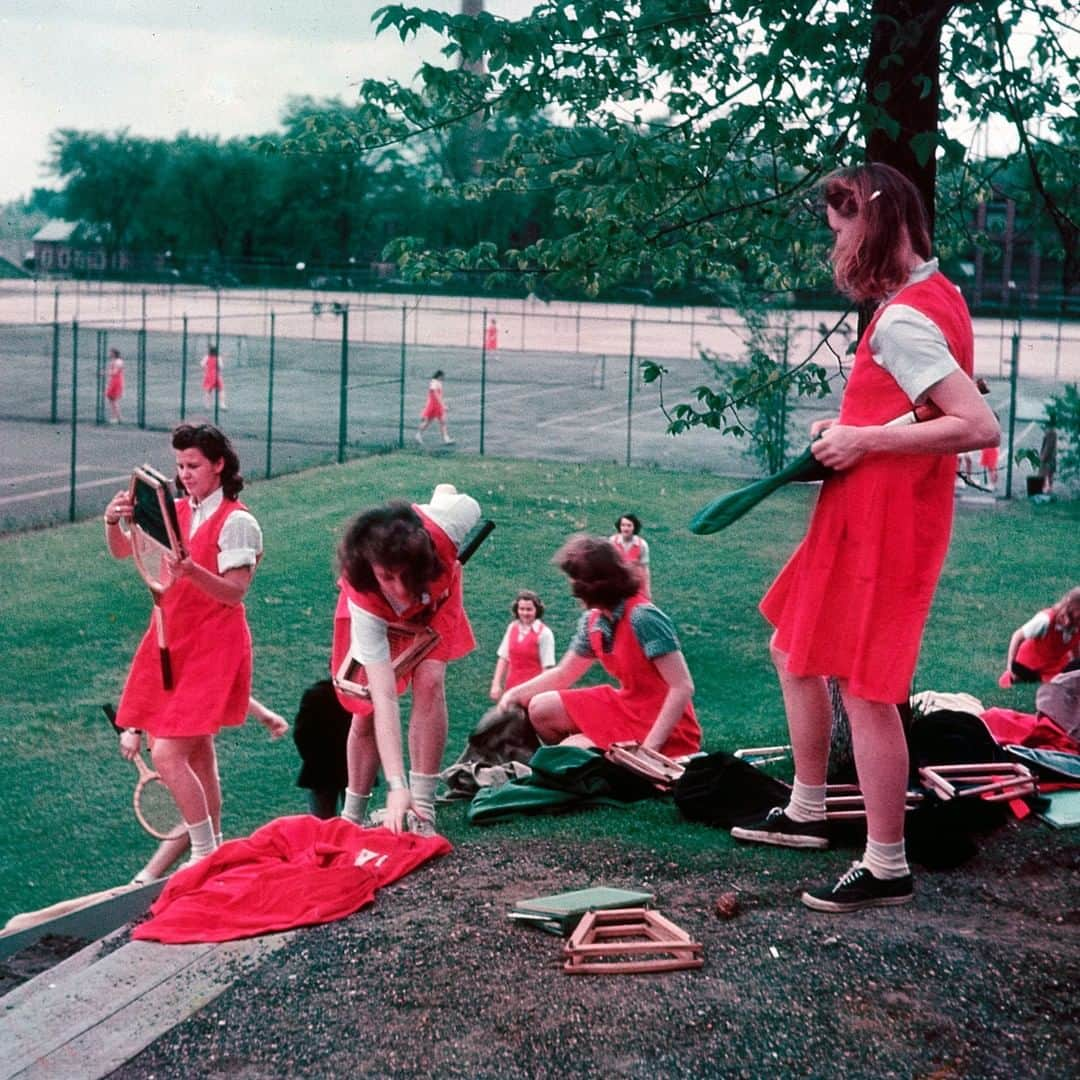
(599, 576)
(527, 594)
(215, 446)
(884, 206)
(393, 537)
(632, 518)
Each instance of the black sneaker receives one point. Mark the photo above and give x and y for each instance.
(777, 828)
(859, 889)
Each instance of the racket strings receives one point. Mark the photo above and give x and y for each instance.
(157, 808)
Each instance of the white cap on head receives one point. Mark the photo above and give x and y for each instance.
(453, 512)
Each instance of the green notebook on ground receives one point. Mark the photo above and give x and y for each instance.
(561, 912)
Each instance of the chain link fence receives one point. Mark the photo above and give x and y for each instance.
(314, 378)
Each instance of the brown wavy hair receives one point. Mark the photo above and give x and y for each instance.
(885, 205)
(527, 594)
(214, 445)
(599, 576)
(393, 537)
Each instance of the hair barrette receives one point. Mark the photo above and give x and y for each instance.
(874, 196)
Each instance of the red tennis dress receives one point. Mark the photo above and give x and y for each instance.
(1048, 654)
(114, 388)
(209, 646)
(853, 599)
(212, 373)
(607, 714)
(523, 661)
(442, 611)
(433, 407)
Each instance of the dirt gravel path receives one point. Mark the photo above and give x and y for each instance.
(976, 978)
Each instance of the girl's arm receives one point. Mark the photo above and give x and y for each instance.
(119, 506)
(1006, 679)
(966, 423)
(563, 675)
(228, 588)
(387, 722)
(673, 670)
(275, 724)
(498, 679)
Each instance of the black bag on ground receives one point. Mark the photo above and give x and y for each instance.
(720, 789)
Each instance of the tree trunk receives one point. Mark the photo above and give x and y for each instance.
(909, 91)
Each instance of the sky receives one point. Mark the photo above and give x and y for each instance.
(159, 67)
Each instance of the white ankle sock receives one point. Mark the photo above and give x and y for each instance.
(807, 802)
(886, 861)
(202, 839)
(355, 808)
(423, 787)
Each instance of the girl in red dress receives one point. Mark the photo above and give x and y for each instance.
(527, 647)
(1047, 644)
(209, 640)
(212, 381)
(852, 601)
(399, 564)
(114, 385)
(633, 547)
(434, 409)
(635, 642)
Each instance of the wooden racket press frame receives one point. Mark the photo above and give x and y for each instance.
(629, 941)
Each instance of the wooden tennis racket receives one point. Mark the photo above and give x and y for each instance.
(154, 533)
(155, 808)
(410, 643)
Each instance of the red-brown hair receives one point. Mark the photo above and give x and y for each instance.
(883, 206)
(599, 575)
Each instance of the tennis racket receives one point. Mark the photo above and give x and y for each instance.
(155, 808)
(410, 643)
(727, 509)
(154, 533)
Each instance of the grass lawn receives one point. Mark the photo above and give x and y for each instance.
(73, 617)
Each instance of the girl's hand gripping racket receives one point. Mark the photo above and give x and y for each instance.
(155, 808)
(154, 533)
(410, 643)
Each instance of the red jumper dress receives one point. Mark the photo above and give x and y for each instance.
(853, 599)
(442, 611)
(434, 409)
(607, 714)
(523, 660)
(1047, 655)
(209, 646)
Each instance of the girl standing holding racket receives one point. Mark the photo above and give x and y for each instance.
(208, 636)
(852, 601)
(399, 564)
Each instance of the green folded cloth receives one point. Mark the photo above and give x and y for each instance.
(725, 509)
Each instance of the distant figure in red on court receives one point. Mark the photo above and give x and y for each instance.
(434, 409)
(212, 381)
(491, 337)
(114, 384)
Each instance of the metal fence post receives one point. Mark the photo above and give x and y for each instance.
(183, 367)
(100, 367)
(74, 415)
(483, 376)
(630, 390)
(141, 363)
(54, 392)
(401, 388)
(270, 398)
(343, 394)
(1014, 375)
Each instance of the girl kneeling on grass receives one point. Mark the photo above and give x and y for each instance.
(209, 639)
(399, 564)
(635, 642)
